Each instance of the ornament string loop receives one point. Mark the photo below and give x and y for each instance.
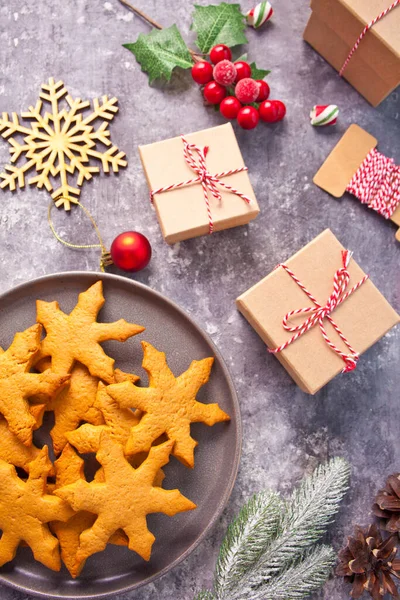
(105, 259)
(377, 183)
(195, 158)
(318, 313)
(364, 32)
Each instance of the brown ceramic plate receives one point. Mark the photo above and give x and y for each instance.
(209, 485)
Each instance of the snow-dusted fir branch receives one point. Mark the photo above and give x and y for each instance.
(247, 538)
(269, 550)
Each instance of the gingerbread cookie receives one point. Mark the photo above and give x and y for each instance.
(77, 336)
(25, 510)
(17, 384)
(124, 500)
(69, 469)
(117, 423)
(13, 451)
(169, 404)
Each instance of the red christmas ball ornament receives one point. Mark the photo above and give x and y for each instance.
(248, 117)
(263, 90)
(214, 92)
(220, 52)
(202, 72)
(243, 70)
(131, 251)
(230, 107)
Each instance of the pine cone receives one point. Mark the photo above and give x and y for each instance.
(387, 504)
(369, 563)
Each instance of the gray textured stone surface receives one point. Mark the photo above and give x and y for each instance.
(285, 431)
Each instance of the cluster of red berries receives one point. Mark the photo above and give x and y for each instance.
(223, 74)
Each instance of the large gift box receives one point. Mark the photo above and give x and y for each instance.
(333, 29)
(346, 316)
(199, 183)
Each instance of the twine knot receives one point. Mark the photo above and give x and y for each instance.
(195, 157)
(318, 313)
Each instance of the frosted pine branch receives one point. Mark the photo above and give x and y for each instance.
(269, 551)
(300, 580)
(205, 595)
(247, 538)
(311, 509)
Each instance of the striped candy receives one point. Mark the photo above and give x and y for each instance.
(324, 115)
(259, 14)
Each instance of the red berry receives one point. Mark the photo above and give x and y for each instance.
(230, 107)
(243, 69)
(220, 52)
(272, 111)
(263, 90)
(202, 72)
(248, 117)
(214, 92)
(247, 90)
(281, 108)
(224, 72)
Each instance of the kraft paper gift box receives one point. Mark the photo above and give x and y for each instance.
(182, 212)
(333, 29)
(364, 317)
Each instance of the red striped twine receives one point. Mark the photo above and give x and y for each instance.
(319, 313)
(208, 181)
(364, 32)
(377, 183)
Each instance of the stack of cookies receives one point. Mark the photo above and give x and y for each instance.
(97, 409)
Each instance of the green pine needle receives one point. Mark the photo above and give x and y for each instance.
(311, 509)
(301, 579)
(246, 539)
(270, 552)
(205, 595)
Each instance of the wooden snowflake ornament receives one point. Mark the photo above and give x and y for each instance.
(59, 144)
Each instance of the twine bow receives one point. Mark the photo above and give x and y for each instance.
(209, 181)
(319, 313)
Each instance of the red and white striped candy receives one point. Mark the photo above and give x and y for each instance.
(259, 14)
(324, 115)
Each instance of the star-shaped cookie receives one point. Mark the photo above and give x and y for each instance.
(17, 384)
(77, 336)
(13, 451)
(69, 469)
(124, 500)
(25, 510)
(169, 404)
(118, 423)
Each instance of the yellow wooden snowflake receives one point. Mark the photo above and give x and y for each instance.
(60, 143)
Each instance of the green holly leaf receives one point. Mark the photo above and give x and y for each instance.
(257, 73)
(218, 24)
(160, 51)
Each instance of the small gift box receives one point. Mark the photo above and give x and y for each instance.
(198, 183)
(318, 312)
(334, 29)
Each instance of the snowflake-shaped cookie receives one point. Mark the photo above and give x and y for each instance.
(59, 144)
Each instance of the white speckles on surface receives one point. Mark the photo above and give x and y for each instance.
(285, 431)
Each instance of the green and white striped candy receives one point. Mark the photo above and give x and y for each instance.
(259, 14)
(324, 115)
